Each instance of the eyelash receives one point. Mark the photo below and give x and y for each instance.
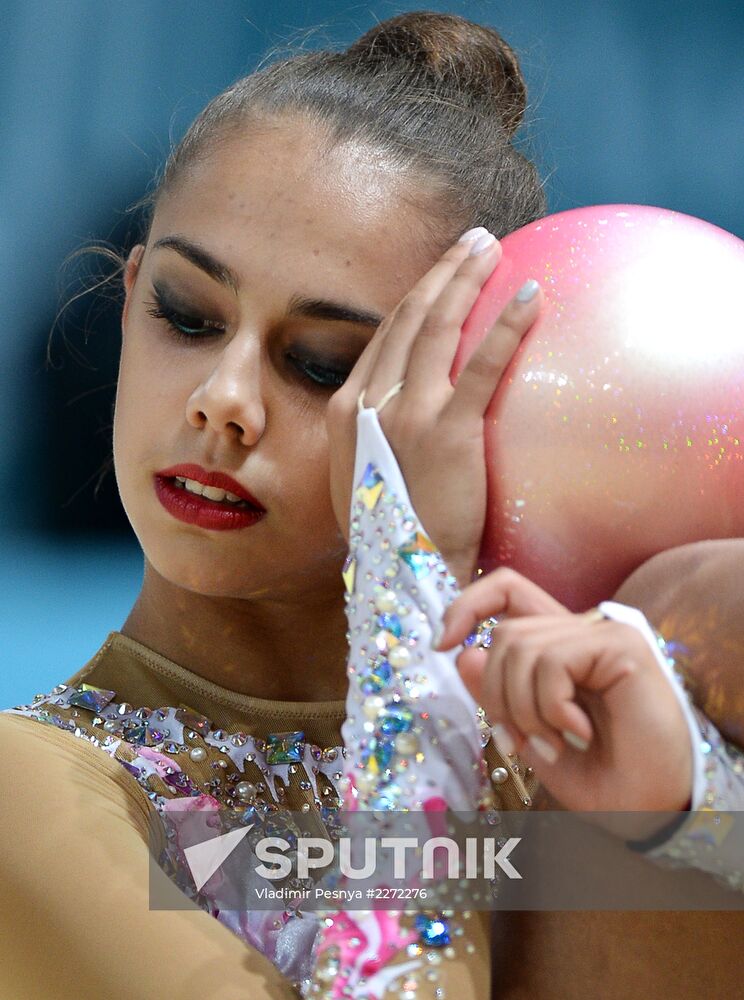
(190, 328)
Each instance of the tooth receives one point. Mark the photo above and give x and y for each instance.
(213, 493)
(180, 480)
(232, 497)
(194, 487)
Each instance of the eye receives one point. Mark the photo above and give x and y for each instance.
(183, 325)
(322, 375)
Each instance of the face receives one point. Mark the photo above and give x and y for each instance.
(266, 271)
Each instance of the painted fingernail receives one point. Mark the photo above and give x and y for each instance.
(473, 234)
(436, 634)
(482, 244)
(575, 741)
(543, 749)
(502, 739)
(528, 290)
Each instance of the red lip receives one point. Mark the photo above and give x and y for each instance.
(214, 515)
(219, 479)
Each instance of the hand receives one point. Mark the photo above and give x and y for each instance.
(434, 429)
(584, 702)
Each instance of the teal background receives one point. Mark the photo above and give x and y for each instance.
(631, 102)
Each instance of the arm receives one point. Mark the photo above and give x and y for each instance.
(694, 595)
(75, 920)
(411, 733)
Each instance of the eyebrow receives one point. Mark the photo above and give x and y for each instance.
(299, 306)
(323, 309)
(201, 258)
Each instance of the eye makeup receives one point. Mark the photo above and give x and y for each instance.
(317, 371)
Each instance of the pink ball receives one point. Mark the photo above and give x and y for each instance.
(618, 430)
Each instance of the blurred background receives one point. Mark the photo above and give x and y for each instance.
(632, 101)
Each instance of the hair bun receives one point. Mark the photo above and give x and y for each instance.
(467, 58)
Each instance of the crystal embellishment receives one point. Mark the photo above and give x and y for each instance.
(285, 748)
(371, 487)
(420, 553)
(89, 696)
(433, 931)
(193, 720)
(349, 573)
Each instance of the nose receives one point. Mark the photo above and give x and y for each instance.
(229, 398)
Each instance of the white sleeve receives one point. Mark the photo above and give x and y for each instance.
(412, 736)
(405, 702)
(710, 836)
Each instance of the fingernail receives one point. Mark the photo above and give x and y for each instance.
(502, 739)
(482, 244)
(544, 749)
(473, 234)
(436, 634)
(575, 741)
(527, 291)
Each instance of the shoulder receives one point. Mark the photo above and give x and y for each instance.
(48, 772)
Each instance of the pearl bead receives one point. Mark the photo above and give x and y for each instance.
(499, 775)
(198, 753)
(399, 657)
(406, 743)
(386, 603)
(245, 790)
(373, 705)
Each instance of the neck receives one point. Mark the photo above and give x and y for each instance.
(284, 649)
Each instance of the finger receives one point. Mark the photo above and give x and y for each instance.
(502, 592)
(433, 350)
(405, 318)
(602, 656)
(555, 693)
(522, 662)
(391, 362)
(507, 737)
(477, 382)
(471, 664)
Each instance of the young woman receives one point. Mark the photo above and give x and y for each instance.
(285, 425)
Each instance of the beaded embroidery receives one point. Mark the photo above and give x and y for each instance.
(410, 727)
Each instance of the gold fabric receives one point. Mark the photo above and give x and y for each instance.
(76, 920)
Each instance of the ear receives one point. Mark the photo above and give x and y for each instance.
(131, 269)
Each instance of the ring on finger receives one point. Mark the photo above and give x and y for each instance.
(385, 399)
(594, 615)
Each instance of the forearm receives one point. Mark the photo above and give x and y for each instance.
(694, 595)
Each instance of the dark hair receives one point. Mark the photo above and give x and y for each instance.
(441, 95)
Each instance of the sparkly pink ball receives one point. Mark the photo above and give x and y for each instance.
(618, 430)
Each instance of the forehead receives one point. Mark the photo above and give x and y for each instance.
(281, 198)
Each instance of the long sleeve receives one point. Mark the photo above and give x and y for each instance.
(75, 920)
(412, 737)
(710, 837)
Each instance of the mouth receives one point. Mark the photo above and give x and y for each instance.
(213, 493)
(211, 500)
